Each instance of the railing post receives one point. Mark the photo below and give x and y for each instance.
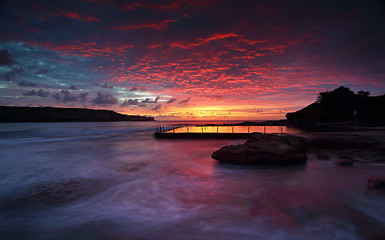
(248, 129)
(264, 130)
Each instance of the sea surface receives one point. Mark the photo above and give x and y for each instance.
(114, 180)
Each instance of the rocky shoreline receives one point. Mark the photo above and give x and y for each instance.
(347, 148)
(359, 146)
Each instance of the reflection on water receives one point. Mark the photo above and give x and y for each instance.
(173, 189)
(236, 129)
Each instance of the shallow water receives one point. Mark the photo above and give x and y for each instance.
(172, 189)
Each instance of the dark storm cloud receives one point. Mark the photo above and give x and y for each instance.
(67, 96)
(137, 89)
(83, 96)
(56, 96)
(27, 84)
(215, 96)
(12, 74)
(130, 102)
(171, 100)
(136, 102)
(104, 99)
(156, 107)
(105, 85)
(44, 71)
(39, 93)
(185, 101)
(5, 58)
(149, 100)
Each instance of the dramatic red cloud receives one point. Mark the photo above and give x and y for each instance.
(179, 5)
(202, 41)
(76, 15)
(200, 59)
(158, 25)
(130, 6)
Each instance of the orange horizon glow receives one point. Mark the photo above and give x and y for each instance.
(214, 109)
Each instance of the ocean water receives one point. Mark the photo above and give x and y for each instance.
(116, 181)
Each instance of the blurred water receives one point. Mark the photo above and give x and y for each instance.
(173, 189)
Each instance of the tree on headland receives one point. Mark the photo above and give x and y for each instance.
(335, 95)
(363, 93)
(342, 105)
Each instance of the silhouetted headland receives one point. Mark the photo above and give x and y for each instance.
(342, 105)
(53, 114)
(337, 110)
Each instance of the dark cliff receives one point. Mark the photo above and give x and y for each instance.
(51, 114)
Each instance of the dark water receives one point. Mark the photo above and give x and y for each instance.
(132, 186)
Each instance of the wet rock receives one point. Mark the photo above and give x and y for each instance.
(322, 156)
(268, 149)
(376, 182)
(344, 162)
(341, 141)
(54, 193)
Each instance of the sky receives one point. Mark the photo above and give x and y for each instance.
(189, 59)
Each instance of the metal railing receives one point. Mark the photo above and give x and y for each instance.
(217, 129)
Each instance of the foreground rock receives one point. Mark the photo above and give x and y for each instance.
(344, 162)
(359, 146)
(376, 182)
(322, 156)
(266, 149)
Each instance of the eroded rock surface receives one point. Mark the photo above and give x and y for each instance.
(344, 162)
(376, 182)
(265, 149)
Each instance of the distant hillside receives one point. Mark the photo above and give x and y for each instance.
(342, 105)
(51, 114)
